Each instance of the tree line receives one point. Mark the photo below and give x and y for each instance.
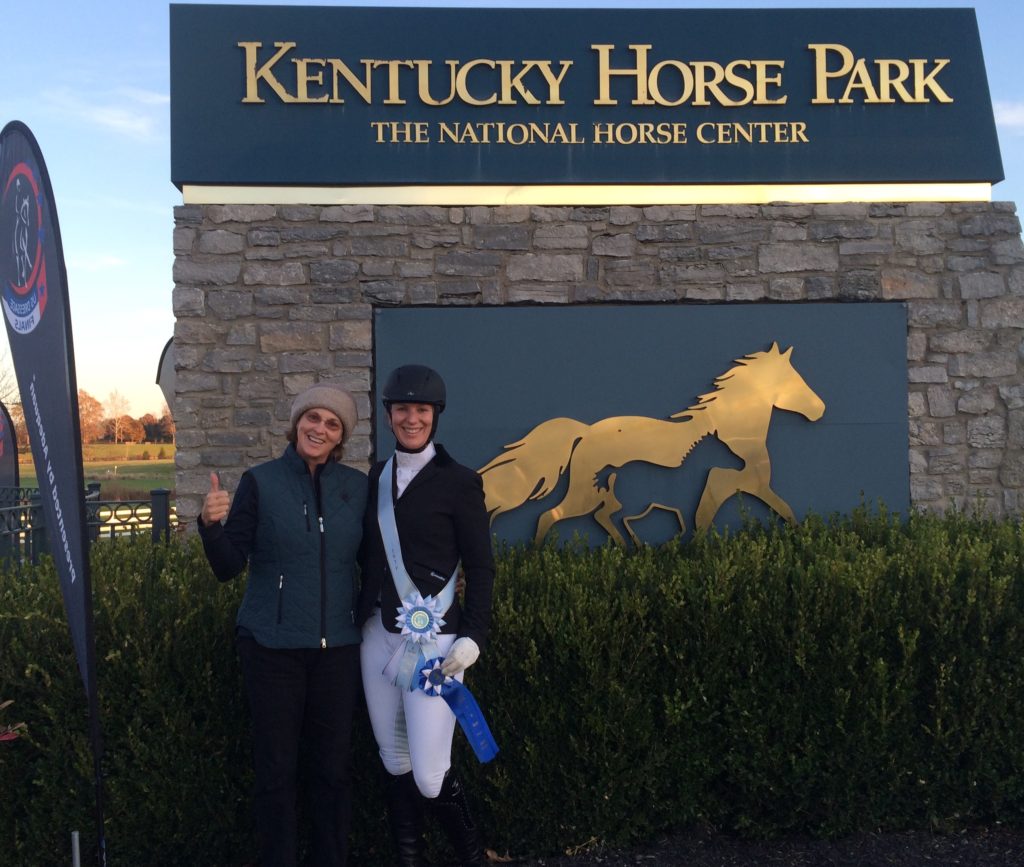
(105, 422)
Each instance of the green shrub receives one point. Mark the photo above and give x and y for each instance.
(838, 676)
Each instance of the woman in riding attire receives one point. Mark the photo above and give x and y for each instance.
(425, 516)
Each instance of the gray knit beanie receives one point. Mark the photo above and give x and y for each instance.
(326, 395)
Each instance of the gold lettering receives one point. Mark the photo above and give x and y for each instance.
(510, 82)
(394, 90)
(340, 70)
(702, 85)
(603, 133)
(860, 78)
(654, 86)
(755, 132)
(922, 81)
(423, 68)
(739, 82)
(821, 72)
(554, 83)
(605, 72)
(763, 80)
(892, 74)
(401, 131)
(463, 90)
(253, 76)
(303, 77)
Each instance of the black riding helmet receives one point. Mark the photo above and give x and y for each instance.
(415, 383)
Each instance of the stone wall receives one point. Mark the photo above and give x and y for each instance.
(269, 299)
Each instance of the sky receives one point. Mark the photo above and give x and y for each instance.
(91, 79)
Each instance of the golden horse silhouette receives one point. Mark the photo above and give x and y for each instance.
(737, 413)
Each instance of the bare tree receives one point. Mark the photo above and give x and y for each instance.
(8, 381)
(117, 407)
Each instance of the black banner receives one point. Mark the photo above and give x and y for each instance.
(9, 476)
(33, 283)
(38, 320)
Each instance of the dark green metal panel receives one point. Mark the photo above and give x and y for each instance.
(510, 369)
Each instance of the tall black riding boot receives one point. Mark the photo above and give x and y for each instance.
(452, 811)
(405, 815)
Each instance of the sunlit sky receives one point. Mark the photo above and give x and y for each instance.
(91, 80)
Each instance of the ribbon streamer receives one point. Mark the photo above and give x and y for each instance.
(461, 702)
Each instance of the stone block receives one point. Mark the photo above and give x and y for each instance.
(333, 271)
(240, 213)
(1002, 313)
(468, 263)
(670, 213)
(941, 402)
(561, 236)
(275, 274)
(232, 360)
(230, 304)
(900, 283)
(798, 256)
(221, 241)
(622, 245)
(501, 237)
(188, 301)
(545, 267)
(290, 336)
(927, 373)
(347, 214)
(984, 364)
(986, 432)
(982, 285)
(217, 273)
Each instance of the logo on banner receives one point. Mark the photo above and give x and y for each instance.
(21, 228)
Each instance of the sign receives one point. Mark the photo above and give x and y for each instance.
(35, 306)
(639, 423)
(33, 294)
(271, 95)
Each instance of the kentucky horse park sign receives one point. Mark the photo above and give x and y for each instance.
(317, 96)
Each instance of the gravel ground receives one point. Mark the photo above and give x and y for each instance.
(976, 848)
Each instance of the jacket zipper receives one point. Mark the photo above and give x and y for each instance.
(323, 586)
(305, 514)
(280, 597)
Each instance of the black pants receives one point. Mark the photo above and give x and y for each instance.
(301, 701)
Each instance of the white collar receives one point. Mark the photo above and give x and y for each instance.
(408, 464)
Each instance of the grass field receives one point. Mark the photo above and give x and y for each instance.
(118, 469)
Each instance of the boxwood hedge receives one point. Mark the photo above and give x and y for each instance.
(837, 676)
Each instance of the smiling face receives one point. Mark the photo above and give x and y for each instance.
(317, 433)
(411, 423)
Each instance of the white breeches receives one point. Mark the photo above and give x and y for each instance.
(413, 730)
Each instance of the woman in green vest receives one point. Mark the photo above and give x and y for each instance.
(296, 522)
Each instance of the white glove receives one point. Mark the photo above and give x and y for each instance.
(464, 652)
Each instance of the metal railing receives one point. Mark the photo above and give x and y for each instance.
(23, 530)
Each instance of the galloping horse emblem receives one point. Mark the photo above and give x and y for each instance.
(737, 413)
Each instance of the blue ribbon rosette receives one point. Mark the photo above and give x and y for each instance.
(419, 618)
(435, 682)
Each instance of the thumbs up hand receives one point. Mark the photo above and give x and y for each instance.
(216, 503)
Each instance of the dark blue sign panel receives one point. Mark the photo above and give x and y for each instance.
(266, 95)
(35, 306)
(640, 422)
